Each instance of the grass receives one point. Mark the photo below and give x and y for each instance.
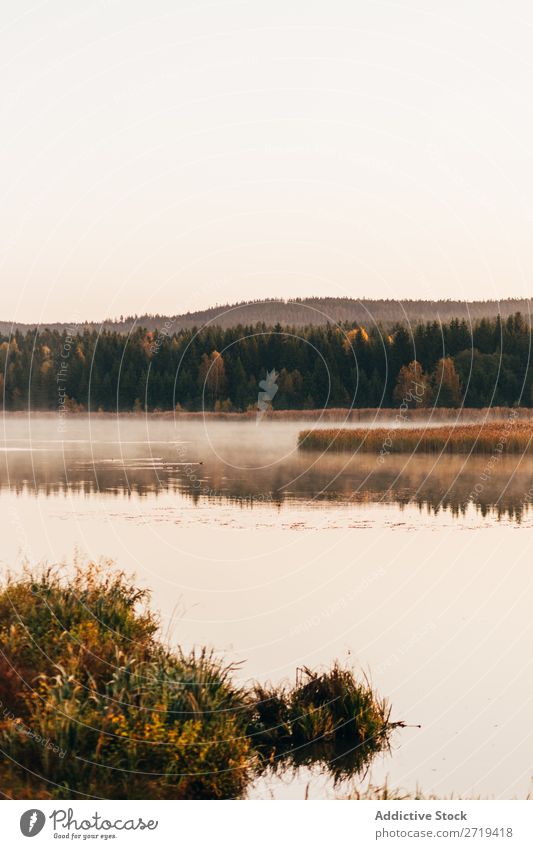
(385, 793)
(93, 703)
(327, 718)
(352, 414)
(511, 437)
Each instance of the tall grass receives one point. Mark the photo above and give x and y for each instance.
(512, 437)
(94, 704)
(354, 414)
(347, 414)
(327, 718)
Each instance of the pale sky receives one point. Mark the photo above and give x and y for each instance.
(168, 156)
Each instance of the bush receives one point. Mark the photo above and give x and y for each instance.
(328, 718)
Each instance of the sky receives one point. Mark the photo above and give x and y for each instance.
(169, 156)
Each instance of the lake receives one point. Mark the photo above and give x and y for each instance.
(417, 571)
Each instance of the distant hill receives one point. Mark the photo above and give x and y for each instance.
(305, 311)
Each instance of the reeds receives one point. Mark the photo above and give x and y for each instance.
(496, 438)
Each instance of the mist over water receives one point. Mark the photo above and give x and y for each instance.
(254, 462)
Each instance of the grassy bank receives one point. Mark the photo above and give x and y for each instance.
(94, 704)
(511, 437)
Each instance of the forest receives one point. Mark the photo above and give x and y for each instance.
(457, 363)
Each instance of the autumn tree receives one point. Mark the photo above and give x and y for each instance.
(412, 387)
(212, 376)
(446, 384)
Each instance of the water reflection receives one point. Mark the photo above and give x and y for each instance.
(434, 616)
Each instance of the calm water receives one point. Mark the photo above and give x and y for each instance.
(420, 575)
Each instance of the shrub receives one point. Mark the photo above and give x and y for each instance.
(94, 704)
(327, 718)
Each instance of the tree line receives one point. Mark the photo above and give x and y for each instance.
(487, 363)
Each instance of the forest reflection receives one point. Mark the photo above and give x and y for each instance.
(249, 477)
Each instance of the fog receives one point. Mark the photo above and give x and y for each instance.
(254, 462)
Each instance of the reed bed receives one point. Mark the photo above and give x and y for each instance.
(354, 414)
(509, 437)
(371, 415)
